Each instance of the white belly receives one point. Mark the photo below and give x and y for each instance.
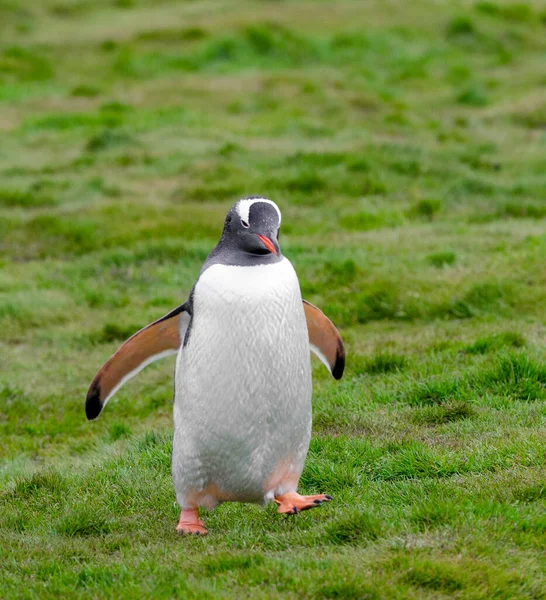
(242, 409)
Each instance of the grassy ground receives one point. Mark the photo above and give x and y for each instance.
(405, 143)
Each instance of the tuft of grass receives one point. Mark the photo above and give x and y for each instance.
(512, 12)
(306, 181)
(435, 576)
(119, 430)
(441, 259)
(523, 210)
(42, 483)
(85, 91)
(444, 413)
(125, 4)
(341, 274)
(431, 514)
(364, 221)
(106, 139)
(223, 562)
(172, 35)
(433, 392)
(82, 522)
(18, 64)
(515, 376)
(473, 95)
(530, 493)
(24, 199)
(351, 588)
(265, 43)
(487, 7)
(384, 362)
(382, 304)
(473, 185)
(480, 298)
(427, 208)
(353, 528)
(460, 26)
(114, 332)
(533, 118)
(508, 339)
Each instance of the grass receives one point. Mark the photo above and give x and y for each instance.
(406, 150)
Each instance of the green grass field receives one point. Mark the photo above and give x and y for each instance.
(405, 143)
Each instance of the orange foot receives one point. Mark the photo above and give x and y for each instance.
(292, 503)
(189, 523)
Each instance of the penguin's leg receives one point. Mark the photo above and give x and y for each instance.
(189, 517)
(190, 522)
(292, 503)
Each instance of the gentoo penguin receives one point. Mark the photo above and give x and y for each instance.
(242, 400)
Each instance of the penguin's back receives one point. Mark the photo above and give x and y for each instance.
(243, 386)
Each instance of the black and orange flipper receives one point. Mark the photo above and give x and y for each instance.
(325, 340)
(157, 340)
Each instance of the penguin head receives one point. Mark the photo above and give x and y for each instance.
(252, 225)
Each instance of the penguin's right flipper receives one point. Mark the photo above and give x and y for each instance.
(324, 340)
(157, 340)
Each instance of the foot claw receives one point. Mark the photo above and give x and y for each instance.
(292, 503)
(191, 530)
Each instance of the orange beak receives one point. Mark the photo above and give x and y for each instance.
(267, 243)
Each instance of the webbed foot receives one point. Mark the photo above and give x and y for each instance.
(190, 523)
(292, 503)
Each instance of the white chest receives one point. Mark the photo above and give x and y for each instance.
(265, 295)
(248, 322)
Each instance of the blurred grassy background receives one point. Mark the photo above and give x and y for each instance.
(406, 146)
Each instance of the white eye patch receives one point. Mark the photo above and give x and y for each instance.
(243, 207)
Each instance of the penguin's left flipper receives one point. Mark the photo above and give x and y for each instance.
(157, 340)
(324, 340)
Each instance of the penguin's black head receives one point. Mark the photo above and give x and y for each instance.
(252, 226)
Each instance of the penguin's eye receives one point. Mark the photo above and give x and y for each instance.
(245, 224)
